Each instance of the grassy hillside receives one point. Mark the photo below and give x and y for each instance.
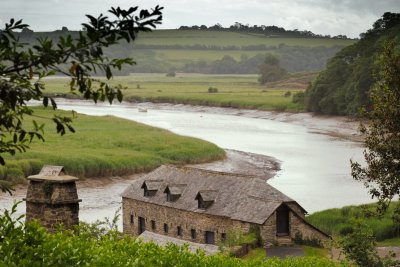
(106, 146)
(239, 91)
(339, 221)
(166, 50)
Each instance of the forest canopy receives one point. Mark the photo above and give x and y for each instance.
(343, 88)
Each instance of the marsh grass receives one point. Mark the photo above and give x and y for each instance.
(237, 91)
(104, 146)
(339, 221)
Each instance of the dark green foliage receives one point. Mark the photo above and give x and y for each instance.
(213, 90)
(359, 246)
(100, 245)
(287, 94)
(23, 67)
(340, 221)
(382, 135)
(270, 70)
(344, 87)
(171, 74)
(299, 98)
(261, 30)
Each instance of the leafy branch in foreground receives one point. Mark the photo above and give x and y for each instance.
(23, 68)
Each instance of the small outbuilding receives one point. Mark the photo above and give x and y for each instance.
(203, 206)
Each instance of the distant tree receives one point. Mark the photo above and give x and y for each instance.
(270, 70)
(203, 27)
(22, 69)
(64, 29)
(382, 135)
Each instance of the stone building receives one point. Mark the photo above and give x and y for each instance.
(202, 206)
(52, 198)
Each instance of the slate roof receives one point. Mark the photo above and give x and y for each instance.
(239, 197)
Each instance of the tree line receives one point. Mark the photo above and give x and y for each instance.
(262, 29)
(343, 88)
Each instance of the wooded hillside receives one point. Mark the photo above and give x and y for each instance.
(343, 87)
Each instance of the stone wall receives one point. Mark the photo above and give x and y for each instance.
(297, 225)
(52, 203)
(268, 230)
(187, 220)
(202, 222)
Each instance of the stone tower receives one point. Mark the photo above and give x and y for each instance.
(52, 198)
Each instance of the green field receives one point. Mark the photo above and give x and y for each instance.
(222, 38)
(238, 91)
(105, 146)
(338, 222)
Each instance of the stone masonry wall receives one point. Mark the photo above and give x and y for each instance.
(307, 232)
(52, 203)
(296, 224)
(268, 230)
(187, 220)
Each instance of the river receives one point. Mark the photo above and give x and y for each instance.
(315, 167)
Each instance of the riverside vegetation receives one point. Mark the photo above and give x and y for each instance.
(340, 221)
(29, 244)
(345, 86)
(105, 146)
(237, 91)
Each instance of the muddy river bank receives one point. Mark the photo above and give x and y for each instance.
(304, 156)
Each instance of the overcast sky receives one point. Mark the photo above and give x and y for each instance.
(349, 17)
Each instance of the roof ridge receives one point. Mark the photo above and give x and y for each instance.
(213, 172)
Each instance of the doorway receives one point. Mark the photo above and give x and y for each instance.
(282, 221)
(142, 225)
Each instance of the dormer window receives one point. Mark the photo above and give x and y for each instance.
(174, 191)
(150, 187)
(206, 198)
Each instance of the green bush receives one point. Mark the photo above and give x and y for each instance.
(171, 74)
(92, 245)
(212, 90)
(298, 98)
(287, 94)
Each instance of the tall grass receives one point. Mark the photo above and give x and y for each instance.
(105, 146)
(339, 221)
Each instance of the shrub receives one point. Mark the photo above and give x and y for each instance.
(298, 98)
(212, 90)
(313, 242)
(31, 245)
(171, 74)
(287, 94)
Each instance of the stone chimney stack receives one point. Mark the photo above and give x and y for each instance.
(52, 198)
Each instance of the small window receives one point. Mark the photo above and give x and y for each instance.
(223, 237)
(179, 231)
(165, 228)
(193, 234)
(153, 225)
(131, 219)
(201, 204)
(210, 237)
